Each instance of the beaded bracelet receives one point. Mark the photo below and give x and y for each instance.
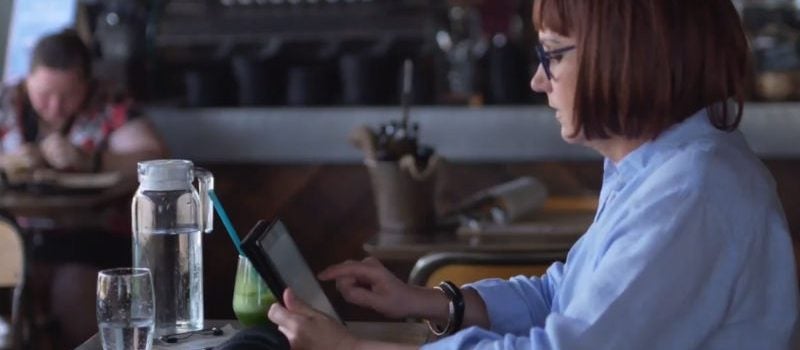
(456, 305)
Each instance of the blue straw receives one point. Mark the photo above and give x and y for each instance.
(225, 221)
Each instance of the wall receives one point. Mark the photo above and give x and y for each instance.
(463, 134)
(5, 19)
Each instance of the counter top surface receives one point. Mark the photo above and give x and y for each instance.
(462, 134)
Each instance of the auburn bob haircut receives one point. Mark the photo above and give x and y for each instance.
(645, 65)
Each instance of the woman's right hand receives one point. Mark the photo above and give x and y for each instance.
(368, 283)
(27, 157)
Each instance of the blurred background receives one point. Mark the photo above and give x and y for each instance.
(214, 53)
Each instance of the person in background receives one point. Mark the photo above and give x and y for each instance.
(60, 118)
(689, 248)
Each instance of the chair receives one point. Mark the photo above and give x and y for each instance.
(12, 276)
(465, 267)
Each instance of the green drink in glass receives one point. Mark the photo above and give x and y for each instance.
(251, 297)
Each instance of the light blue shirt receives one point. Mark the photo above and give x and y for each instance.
(689, 249)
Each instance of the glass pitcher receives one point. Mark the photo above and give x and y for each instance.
(168, 216)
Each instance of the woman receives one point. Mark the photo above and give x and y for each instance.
(60, 118)
(689, 248)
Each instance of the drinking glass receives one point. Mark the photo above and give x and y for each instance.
(125, 308)
(251, 297)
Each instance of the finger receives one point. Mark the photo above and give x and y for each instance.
(323, 275)
(347, 289)
(279, 315)
(361, 296)
(372, 261)
(44, 147)
(284, 317)
(50, 143)
(295, 305)
(359, 270)
(345, 282)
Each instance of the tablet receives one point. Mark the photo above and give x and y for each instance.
(275, 256)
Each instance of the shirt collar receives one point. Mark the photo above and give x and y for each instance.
(690, 129)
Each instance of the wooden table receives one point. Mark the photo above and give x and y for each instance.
(395, 332)
(554, 228)
(37, 213)
(65, 210)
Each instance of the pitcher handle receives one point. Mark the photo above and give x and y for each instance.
(205, 182)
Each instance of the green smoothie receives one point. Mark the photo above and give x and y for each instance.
(250, 306)
(251, 297)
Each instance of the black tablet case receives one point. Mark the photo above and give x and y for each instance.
(252, 249)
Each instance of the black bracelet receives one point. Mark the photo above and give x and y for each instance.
(456, 305)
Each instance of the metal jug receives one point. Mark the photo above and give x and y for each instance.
(168, 216)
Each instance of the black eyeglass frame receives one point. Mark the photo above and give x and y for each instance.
(546, 56)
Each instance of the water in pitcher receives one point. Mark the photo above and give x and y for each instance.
(178, 279)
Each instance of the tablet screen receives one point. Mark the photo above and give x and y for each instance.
(289, 265)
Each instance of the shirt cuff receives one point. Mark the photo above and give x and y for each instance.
(507, 311)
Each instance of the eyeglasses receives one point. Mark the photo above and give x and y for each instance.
(174, 338)
(546, 56)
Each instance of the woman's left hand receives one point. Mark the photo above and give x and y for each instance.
(61, 154)
(307, 328)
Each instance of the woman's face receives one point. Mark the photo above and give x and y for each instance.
(560, 89)
(56, 94)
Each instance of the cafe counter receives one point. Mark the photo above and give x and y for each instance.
(461, 134)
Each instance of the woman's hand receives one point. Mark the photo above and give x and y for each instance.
(368, 283)
(307, 328)
(61, 154)
(27, 157)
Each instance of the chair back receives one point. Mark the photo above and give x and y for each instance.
(12, 255)
(465, 267)
(12, 276)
